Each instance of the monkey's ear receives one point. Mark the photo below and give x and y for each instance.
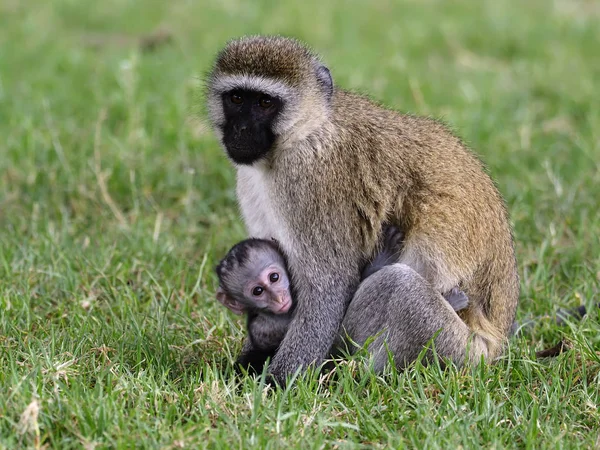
(325, 81)
(231, 304)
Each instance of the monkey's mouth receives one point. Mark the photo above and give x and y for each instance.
(286, 303)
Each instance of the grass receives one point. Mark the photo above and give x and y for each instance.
(116, 203)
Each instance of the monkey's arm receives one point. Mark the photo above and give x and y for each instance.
(265, 333)
(324, 285)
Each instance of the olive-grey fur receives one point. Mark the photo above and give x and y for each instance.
(341, 166)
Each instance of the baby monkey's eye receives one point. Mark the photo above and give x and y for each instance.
(236, 98)
(274, 277)
(265, 101)
(257, 291)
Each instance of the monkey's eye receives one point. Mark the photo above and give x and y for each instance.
(257, 291)
(274, 277)
(265, 101)
(236, 98)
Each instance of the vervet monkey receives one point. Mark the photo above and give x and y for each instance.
(320, 169)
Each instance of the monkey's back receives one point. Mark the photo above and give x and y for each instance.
(419, 175)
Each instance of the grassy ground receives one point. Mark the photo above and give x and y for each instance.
(116, 202)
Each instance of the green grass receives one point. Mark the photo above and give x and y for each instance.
(116, 202)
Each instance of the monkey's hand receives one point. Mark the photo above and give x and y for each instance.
(391, 245)
(392, 239)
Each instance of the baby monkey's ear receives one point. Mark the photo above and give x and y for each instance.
(229, 302)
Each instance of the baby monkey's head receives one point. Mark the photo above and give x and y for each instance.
(253, 277)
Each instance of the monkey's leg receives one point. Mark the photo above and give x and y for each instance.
(391, 246)
(481, 261)
(403, 310)
(251, 359)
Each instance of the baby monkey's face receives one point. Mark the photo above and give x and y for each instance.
(269, 289)
(254, 278)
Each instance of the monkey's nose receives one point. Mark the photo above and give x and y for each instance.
(285, 304)
(240, 128)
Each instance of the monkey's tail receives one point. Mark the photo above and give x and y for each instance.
(561, 318)
(495, 293)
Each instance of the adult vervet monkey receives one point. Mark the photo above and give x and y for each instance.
(321, 169)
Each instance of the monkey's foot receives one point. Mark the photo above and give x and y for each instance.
(457, 299)
(252, 363)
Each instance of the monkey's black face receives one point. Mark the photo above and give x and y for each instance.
(248, 129)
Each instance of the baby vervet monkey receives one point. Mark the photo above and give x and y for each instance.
(254, 279)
